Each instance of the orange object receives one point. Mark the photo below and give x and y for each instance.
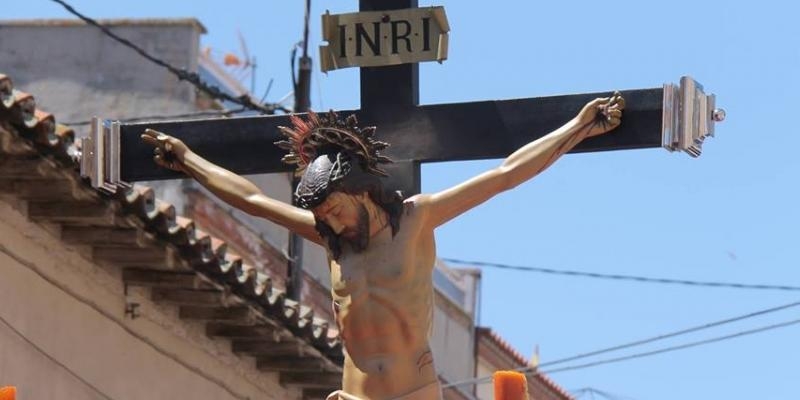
(510, 385)
(8, 393)
(231, 59)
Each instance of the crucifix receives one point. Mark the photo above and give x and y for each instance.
(380, 243)
(676, 117)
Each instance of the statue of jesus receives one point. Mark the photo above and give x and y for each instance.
(380, 245)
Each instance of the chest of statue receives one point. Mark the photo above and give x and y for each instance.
(382, 265)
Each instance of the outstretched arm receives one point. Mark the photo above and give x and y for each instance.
(235, 190)
(597, 117)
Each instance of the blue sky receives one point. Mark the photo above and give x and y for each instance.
(730, 215)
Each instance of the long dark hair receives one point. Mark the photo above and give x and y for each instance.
(334, 172)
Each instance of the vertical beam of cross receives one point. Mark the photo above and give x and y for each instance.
(392, 89)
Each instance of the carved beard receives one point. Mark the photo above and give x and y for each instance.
(361, 238)
(362, 230)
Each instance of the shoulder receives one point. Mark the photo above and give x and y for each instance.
(416, 207)
(416, 203)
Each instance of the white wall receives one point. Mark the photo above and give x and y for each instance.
(62, 62)
(485, 391)
(452, 342)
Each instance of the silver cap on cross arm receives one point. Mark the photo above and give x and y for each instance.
(689, 116)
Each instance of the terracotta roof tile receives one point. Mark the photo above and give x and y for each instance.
(34, 147)
(6, 91)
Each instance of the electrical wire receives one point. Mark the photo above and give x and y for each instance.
(673, 334)
(306, 19)
(648, 340)
(592, 391)
(292, 66)
(53, 359)
(633, 278)
(529, 371)
(181, 73)
(114, 319)
(219, 113)
(673, 348)
(301, 77)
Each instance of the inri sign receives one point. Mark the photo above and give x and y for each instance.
(377, 38)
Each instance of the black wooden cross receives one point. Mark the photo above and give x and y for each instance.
(390, 100)
(417, 134)
(428, 133)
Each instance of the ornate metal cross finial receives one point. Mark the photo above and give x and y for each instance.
(689, 116)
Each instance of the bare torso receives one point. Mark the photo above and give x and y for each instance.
(383, 300)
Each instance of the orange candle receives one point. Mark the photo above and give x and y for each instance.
(8, 393)
(510, 385)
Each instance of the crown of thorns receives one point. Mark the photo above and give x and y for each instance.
(323, 134)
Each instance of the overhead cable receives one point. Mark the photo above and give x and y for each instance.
(536, 370)
(631, 278)
(183, 74)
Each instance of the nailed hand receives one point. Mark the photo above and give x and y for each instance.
(168, 152)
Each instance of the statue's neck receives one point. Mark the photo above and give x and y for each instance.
(378, 220)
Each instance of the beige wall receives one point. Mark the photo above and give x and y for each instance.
(64, 333)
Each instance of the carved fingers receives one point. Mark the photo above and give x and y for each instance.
(168, 151)
(607, 113)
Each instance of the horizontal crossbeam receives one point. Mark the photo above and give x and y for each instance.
(430, 133)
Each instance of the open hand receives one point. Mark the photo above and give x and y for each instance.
(169, 151)
(602, 114)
